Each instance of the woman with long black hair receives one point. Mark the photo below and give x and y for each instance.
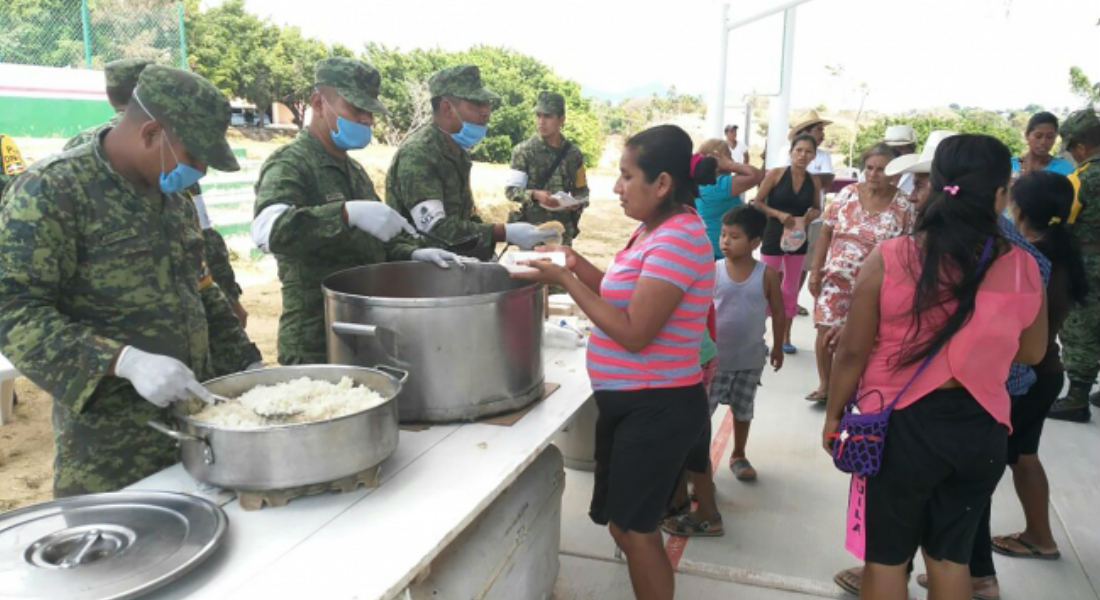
(947, 310)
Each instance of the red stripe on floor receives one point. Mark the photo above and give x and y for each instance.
(676, 544)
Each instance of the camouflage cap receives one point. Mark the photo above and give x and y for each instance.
(355, 80)
(124, 73)
(1076, 124)
(192, 108)
(461, 81)
(550, 103)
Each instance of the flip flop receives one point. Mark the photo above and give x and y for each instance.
(849, 580)
(789, 349)
(742, 469)
(802, 312)
(922, 580)
(689, 526)
(1030, 550)
(817, 396)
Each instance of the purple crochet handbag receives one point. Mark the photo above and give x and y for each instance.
(860, 439)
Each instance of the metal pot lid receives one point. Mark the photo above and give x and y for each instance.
(105, 546)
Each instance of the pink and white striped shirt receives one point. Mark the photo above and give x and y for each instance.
(678, 252)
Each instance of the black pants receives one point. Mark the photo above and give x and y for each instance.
(643, 438)
(1029, 411)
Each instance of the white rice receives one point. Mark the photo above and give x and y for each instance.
(317, 400)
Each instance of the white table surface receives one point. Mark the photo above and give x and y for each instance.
(372, 543)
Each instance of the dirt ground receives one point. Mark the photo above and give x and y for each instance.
(26, 445)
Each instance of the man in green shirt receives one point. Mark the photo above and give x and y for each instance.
(108, 303)
(1080, 335)
(120, 77)
(429, 179)
(317, 211)
(545, 165)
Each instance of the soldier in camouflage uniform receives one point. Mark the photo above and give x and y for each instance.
(121, 76)
(317, 211)
(537, 172)
(107, 303)
(11, 162)
(1081, 333)
(429, 179)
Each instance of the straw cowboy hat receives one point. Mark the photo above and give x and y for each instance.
(809, 119)
(918, 163)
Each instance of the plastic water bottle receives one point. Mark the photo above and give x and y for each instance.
(558, 335)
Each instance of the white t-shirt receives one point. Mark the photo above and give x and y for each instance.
(738, 153)
(821, 164)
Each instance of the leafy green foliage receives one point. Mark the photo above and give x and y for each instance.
(1079, 84)
(634, 114)
(518, 79)
(250, 58)
(51, 33)
(962, 120)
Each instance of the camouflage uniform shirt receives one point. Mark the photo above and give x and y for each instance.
(1080, 340)
(311, 241)
(89, 264)
(430, 166)
(534, 157)
(92, 133)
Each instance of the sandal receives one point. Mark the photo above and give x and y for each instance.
(1030, 550)
(789, 349)
(817, 396)
(849, 580)
(742, 469)
(688, 526)
(922, 580)
(802, 312)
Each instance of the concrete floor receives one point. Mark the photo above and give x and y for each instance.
(784, 533)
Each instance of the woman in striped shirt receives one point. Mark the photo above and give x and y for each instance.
(649, 310)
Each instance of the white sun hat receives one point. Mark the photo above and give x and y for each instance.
(918, 163)
(899, 135)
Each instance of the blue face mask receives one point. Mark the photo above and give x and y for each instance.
(470, 134)
(179, 178)
(350, 135)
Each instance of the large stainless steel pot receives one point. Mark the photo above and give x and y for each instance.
(470, 338)
(294, 454)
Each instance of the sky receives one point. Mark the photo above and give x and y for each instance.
(995, 54)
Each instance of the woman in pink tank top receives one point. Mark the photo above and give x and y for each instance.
(935, 294)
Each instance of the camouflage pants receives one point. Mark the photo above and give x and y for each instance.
(1080, 334)
(108, 446)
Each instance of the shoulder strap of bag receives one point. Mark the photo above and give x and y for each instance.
(541, 184)
(987, 251)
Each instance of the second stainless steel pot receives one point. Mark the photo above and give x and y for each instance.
(470, 338)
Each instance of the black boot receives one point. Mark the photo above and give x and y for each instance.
(1074, 406)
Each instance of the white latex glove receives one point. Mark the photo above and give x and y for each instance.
(441, 257)
(377, 219)
(526, 235)
(158, 378)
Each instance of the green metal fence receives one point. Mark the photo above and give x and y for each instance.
(90, 33)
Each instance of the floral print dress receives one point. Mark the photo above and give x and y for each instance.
(855, 233)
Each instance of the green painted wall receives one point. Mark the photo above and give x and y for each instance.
(50, 117)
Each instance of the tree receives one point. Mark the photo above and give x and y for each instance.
(518, 79)
(964, 120)
(1080, 85)
(296, 58)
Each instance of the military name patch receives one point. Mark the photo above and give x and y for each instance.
(426, 214)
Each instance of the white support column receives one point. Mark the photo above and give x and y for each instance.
(781, 105)
(717, 108)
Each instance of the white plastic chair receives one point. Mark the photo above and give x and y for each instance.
(8, 373)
